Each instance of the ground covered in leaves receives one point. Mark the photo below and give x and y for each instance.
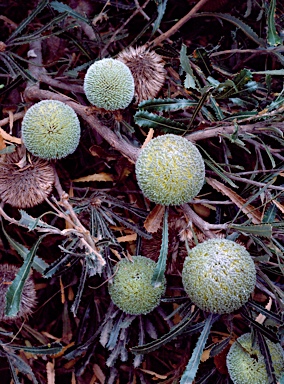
(215, 77)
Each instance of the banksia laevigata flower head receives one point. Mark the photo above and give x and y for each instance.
(25, 181)
(109, 84)
(246, 364)
(147, 68)
(28, 298)
(132, 290)
(170, 170)
(219, 275)
(51, 130)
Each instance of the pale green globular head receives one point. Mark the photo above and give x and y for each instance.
(51, 130)
(170, 170)
(109, 84)
(246, 364)
(132, 290)
(219, 275)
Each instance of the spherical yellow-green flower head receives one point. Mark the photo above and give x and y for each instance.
(109, 84)
(246, 364)
(170, 170)
(219, 275)
(132, 290)
(51, 130)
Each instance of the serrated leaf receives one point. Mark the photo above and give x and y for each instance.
(14, 292)
(262, 230)
(160, 269)
(166, 105)
(49, 349)
(193, 364)
(32, 223)
(161, 10)
(264, 330)
(26, 22)
(219, 347)
(148, 119)
(38, 264)
(272, 36)
(15, 361)
(238, 23)
(80, 289)
(62, 8)
(174, 332)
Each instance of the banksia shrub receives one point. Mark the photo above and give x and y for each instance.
(28, 298)
(219, 275)
(27, 185)
(170, 170)
(246, 364)
(132, 290)
(147, 68)
(109, 84)
(51, 130)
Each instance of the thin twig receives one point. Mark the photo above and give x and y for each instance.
(178, 25)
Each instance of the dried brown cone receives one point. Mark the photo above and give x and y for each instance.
(147, 68)
(28, 298)
(25, 181)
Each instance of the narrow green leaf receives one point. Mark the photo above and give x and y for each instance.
(32, 223)
(272, 36)
(263, 230)
(219, 171)
(193, 364)
(264, 330)
(174, 332)
(267, 357)
(38, 33)
(148, 119)
(61, 8)
(49, 349)
(16, 361)
(218, 111)
(26, 22)
(161, 10)
(38, 264)
(275, 72)
(159, 272)
(166, 105)
(238, 23)
(77, 300)
(14, 292)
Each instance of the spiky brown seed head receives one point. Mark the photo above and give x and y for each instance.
(28, 298)
(148, 71)
(25, 183)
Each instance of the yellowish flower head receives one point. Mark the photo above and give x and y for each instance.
(246, 364)
(51, 130)
(219, 275)
(132, 290)
(170, 170)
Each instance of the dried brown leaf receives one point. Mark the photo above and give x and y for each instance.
(154, 219)
(249, 210)
(95, 177)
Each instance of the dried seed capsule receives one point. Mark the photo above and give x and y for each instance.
(219, 275)
(25, 185)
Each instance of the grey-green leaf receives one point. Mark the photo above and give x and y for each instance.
(49, 349)
(159, 272)
(166, 105)
(272, 36)
(193, 364)
(161, 10)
